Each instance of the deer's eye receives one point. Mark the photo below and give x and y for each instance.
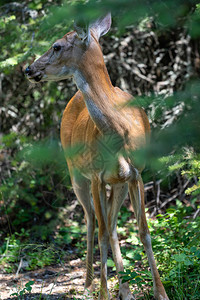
(56, 47)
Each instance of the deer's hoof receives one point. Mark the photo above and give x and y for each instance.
(88, 294)
(161, 296)
(126, 296)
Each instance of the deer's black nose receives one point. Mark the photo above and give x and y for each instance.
(28, 71)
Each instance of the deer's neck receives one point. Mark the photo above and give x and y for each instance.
(99, 96)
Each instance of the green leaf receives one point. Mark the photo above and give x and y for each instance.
(180, 257)
(133, 240)
(137, 256)
(110, 263)
(12, 61)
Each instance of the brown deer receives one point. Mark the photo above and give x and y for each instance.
(97, 114)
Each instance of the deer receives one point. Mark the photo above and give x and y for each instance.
(96, 114)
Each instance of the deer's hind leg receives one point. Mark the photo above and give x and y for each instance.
(136, 191)
(117, 197)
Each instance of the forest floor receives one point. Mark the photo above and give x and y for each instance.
(64, 280)
(55, 282)
(52, 282)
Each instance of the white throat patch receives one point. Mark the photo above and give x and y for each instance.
(95, 112)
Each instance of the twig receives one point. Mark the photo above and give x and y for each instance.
(158, 194)
(175, 195)
(196, 213)
(19, 267)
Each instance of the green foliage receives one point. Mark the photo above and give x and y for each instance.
(43, 22)
(18, 38)
(193, 23)
(175, 241)
(73, 235)
(167, 13)
(21, 248)
(188, 162)
(22, 292)
(191, 169)
(85, 297)
(17, 250)
(141, 280)
(31, 193)
(33, 189)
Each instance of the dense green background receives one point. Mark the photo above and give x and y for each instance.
(152, 51)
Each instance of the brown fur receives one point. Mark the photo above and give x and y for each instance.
(104, 132)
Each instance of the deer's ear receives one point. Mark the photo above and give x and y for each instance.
(101, 26)
(83, 35)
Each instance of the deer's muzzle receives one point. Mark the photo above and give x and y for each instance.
(33, 76)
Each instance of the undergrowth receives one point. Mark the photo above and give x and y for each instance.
(39, 233)
(175, 241)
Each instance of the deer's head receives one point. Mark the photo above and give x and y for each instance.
(69, 54)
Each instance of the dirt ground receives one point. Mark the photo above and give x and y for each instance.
(64, 282)
(61, 281)
(54, 282)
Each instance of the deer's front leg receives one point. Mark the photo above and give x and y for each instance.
(81, 187)
(99, 198)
